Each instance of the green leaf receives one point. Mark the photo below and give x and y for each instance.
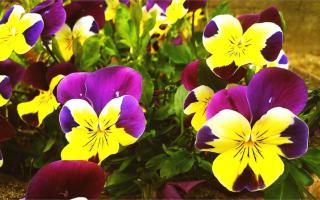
(164, 111)
(110, 47)
(179, 54)
(49, 144)
(90, 54)
(179, 98)
(208, 78)
(222, 8)
(300, 175)
(156, 162)
(178, 162)
(147, 89)
(204, 164)
(284, 188)
(118, 177)
(125, 164)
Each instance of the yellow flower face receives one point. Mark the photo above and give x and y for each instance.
(42, 105)
(18, 31)
(196, 103)
(84, 28)
(225, 40)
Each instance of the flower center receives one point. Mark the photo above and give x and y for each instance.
(238, 46)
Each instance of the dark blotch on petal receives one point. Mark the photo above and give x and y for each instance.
(131, 117)
(31, 119)
(298, 133)
(273, 47)
(231, 73)
(193, 5)
(94, 27)
(6, 88)
(203, 136)
(283, 60)
(211, 29)
(247, 180)
(6, 15)
(191, 98)
(66, 120)
(32, 33)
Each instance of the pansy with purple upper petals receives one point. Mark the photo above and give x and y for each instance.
(45, 79)
(101, 112)
(66, 38)
(227, 42)
(19, 31)
(53, 15)
(250, 127)
(67, 180)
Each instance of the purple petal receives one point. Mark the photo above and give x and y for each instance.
(32, 33)
(298, 133)
(170, 192)
(7, 131)
(53, 15)
(248, 20)
(66, 180)
(283, 60)
(66, 119)
(234, 98)
(72, 86)
(271, 14)
(61, 68)
(126, 2)
(193, 5)
(276, 87)
(248, 180)
(163, 4)
(177, 40)
(204, 136)
(111, 82)
(273, 46)
(131, 117)
(13, 70)
(211, 29)
(186, 186)
(5, 88)
(189, 76)
(35, 75)
(6, 15)
(81, 8)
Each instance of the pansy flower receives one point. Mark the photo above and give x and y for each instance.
(110, 12)
(252, 127)
(19, 31)
(101, 112)
(67, 179)
(45, 79)
(53, 15)
(193, 5)
(66, 38)
(229, 44)
(81, 8)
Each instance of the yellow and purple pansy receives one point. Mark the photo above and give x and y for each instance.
(227, 43)
(53, 15)
(66, 38)
(45, 80)
(61, 180)
(252, 127)
(19, 31)
(101, 112)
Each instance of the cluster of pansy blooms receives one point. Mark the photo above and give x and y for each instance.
(249, 126)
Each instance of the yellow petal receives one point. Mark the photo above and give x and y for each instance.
(64, 41)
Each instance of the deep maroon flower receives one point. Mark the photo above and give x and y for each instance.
(193, 5)
(81, 8)
(67, 180)
(53, 15)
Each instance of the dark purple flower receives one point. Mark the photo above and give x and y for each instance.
(53, 15)
(13, 70)
(67, 180)
(81, 8)
(193, 5)
(170, 190)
